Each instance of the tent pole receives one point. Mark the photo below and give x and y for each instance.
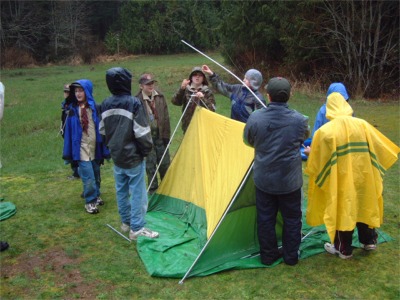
(116, 231)
(186, 43)
(219, 223)
(169, 144)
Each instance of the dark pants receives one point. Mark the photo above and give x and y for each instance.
(74, 168)
(153, 160)
(268, 206)
(343, 239)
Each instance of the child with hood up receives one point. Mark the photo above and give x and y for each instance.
(83, 143)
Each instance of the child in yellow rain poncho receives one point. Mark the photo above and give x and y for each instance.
(347, 160)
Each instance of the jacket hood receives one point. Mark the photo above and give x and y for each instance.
(339, 88)
(337, 106)
(255, 78)
(119, 81)
(198, 70)
(87, 86)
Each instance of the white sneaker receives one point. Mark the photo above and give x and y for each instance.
(133, 235)
(332, 250)
(99, 201)
(125, 227)
(91, 208)
(369, 247)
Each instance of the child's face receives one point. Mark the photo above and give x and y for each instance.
(247, 82)
(197, 78)
(80, 94)
(147, 88)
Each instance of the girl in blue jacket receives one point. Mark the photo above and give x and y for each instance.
(83, 142)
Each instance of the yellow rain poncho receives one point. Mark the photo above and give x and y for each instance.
(347, 161)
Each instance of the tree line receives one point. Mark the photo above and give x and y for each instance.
(356, 42)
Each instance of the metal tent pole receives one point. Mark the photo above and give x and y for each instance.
(186, 43)
(169, 143)
(219, 223)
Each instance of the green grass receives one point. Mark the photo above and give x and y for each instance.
(58, 251)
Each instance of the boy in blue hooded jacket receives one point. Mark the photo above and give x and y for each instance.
(321, 119)
(83, 142)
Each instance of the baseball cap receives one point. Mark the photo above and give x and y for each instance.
(279, 89)
(146, 79)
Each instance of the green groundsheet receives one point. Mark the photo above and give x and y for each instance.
(176, 249)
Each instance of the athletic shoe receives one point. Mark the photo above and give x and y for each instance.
(91, 208)
(72, 177)
(332, 250)
(99, 201)
(369, 247)
(133, 235)
(125, 227)
(4, 246)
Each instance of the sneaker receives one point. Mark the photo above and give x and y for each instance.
(4, 246)
(72, 177)
(125, 227)
(99, 201)
(133, 235)
(369, 247)
(332, 250)
(91, 208)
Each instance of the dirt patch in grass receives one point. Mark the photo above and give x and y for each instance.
(63, 268)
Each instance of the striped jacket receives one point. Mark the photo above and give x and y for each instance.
(124, 122)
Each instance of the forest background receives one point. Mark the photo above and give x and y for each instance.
(318, 42)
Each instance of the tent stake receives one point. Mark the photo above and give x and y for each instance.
(115, 230)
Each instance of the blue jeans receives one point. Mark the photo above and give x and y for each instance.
(131, 192)
(89, 171)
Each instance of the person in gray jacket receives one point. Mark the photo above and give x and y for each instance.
(127, 135)
(276, 133)
(242, 100)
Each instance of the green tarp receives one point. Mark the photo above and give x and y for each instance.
(205, 208)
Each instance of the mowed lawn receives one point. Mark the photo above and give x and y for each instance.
(58, 251)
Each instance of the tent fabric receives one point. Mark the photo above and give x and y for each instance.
(7, 210)
(204, 209)
(209, 165)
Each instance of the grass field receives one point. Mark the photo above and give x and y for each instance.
(58, 251)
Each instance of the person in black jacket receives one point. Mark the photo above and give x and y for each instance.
(276, 133)
(128, 137)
